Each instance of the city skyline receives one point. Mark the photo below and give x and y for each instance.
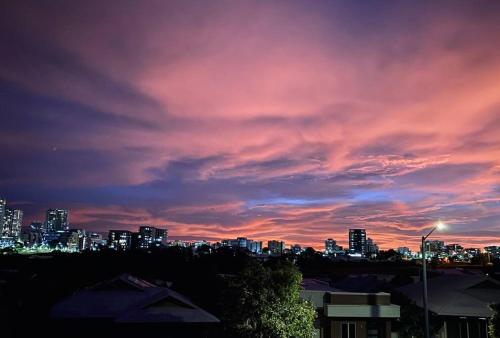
(272, 120)
(56, 228)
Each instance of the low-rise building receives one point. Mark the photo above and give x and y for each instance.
(350, 314)
(458, 304)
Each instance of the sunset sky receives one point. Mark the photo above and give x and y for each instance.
(292, 120)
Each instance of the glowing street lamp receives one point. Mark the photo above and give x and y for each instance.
(438, 226)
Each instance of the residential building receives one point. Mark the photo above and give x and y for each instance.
(12, 223)
(127, 306)
(254, 246)
(56, 220)
(357, 242)
(149, 236)
(330, 246)
(458, 304)
(276, 247)
(371, 248)
(350, 314)
(120, 239)
(3, 205)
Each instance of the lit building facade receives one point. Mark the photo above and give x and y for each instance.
(120, 239)
(276, 247)
(56, 220)
(357, 242)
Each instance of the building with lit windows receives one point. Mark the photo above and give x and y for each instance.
(493, 250)
(3, 205)
(12, 223)
(149, 237)
(56, 220)
(276, 247)
(342, 314)
(357, 242)
(120, 239)
(330, 246)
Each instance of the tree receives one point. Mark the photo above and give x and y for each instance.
(494, 327)
(264, 301)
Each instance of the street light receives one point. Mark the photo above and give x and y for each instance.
(438, 226)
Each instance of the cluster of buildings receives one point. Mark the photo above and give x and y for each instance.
(11, 221)
(55, 233)
(449, 252)
(359, 245)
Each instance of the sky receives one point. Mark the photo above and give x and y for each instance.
(292, 120)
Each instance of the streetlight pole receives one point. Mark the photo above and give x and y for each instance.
(424, 279)
(424, 291)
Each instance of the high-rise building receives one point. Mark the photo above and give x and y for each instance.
(254, 246)
(35, 236)
(149, 236)
(78, 240)
(434, 246)
(357, 241)
(12, 223)
(276, 247)
(56, 220)
(120, 239)
(330, 246)
(3, 205)
(371, 247)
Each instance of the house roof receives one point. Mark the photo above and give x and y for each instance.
(314, 284)
(129, 299)
(450, 295)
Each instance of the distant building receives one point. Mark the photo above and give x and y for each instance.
(78, 240)
(493, 250)
(330, 246)
(296, 249)
(276, 247)
(371, 247)
(404, 251)
(12, 223)
(96, 241)
(254, 246)
(149, 236)
(120, 239)
(35, 235)
(3, 205)
(56, 220)
(453, 249)
(243, 243)
(357, 242)
(434, 247)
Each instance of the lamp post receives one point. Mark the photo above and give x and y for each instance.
(438, 226)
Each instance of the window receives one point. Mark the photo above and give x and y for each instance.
(372, 328)
(348, 330)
